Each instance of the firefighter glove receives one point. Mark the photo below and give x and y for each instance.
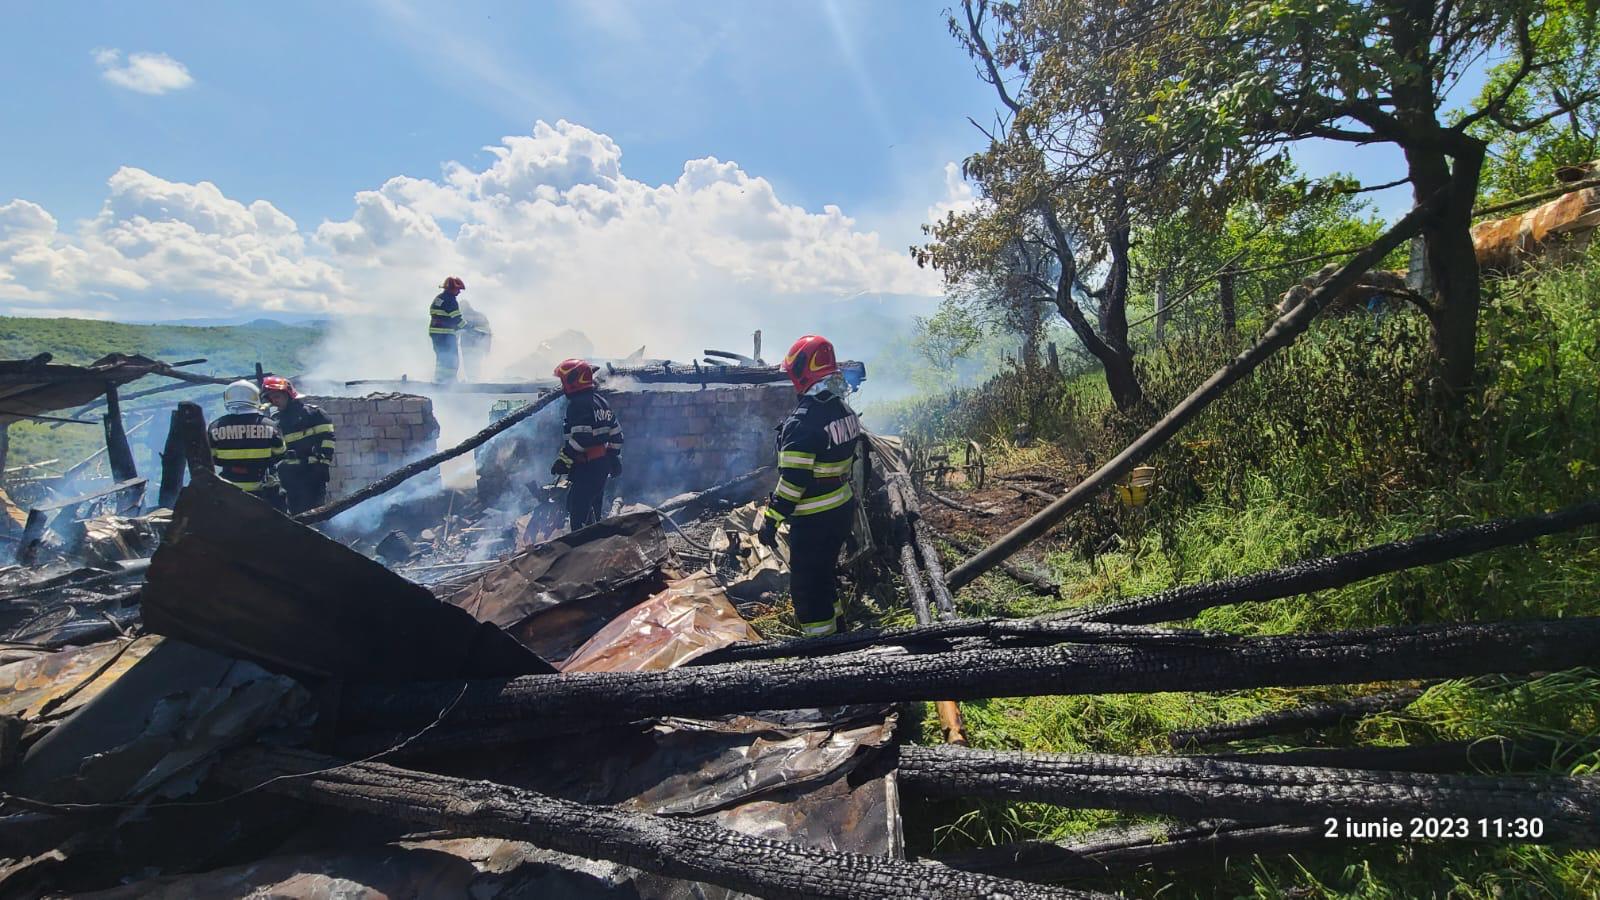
(769, 533)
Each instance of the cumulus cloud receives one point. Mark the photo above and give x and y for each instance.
(549, 233)
(958, 195)
(147, 73)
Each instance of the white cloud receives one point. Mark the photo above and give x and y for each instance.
(549, 234)
(958, 195)
(147, 73)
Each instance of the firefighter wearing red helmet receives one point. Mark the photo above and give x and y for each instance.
(591, 443)
(308, 435)
(444, 329)
(816, 452)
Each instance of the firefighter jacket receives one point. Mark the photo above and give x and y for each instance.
(246, 446)
(591, 432)
(816, 447)
(308, 437)
(444, 315)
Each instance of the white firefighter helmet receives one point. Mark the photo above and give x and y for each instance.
(241, 396)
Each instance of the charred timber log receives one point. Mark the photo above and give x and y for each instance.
(1035, 493)
(903, 511)
(1149, 661)
(957, 505)
(916, 587)
(1037, 582)
(1197, 787)
(942, 597)
(696, 503)
(1283, 332)
(399, 476)
(172, 464)
(190, 420)
(1302, 718)
(1336, 571)
(1496, 754)
(1119, 850)
(676, 848)
(1188, 601)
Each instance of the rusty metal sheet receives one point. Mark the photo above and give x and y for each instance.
(236, 576)
(690, 618)
(56, 684)
(555, 596)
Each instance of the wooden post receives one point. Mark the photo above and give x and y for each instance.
(172, 463)
(1225, 297)
(118, 453)
(757, 354)
(190, 422)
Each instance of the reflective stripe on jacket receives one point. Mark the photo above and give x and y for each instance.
(816, 451)
(590, 432)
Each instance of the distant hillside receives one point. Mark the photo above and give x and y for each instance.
(228, 350)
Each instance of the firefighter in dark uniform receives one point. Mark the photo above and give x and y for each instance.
(246, 445)
(816, 449)
(309, 439)
(591, 444)
(444, 329)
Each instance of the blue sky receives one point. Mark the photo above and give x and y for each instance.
(737, 162)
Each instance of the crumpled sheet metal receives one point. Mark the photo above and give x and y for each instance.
(113, 537)
(555, 596)
(54, 685)
(78, 619)
(165, 715)
(238, 577)
(690, 618)
(764, 573)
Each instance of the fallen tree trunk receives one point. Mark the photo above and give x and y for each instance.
(1197, 787)
(1141, 661)
(1300, 718)
(1187, 601)
(1283, 332)
(1118, 850)
(674, 847)
(1336, 571)
(399, 476)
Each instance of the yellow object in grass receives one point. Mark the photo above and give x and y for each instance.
(1136, 487)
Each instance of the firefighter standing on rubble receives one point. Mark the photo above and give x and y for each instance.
(309, 439)
(444, 329)
(246, 445)
(591, 444)
(816, 449)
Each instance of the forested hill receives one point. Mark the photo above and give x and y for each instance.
(229, 350)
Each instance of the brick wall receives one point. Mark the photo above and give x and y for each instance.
(677, 441)
(377, 434)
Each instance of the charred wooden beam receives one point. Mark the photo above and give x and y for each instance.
(1035, 493)
(957, 505)
(1037, 582)
(172, 464)
(673, 847)
(1138, 661)
(1197, 787)
(1494, 754)
(1337, 571)
(1301, 718)
(190, 420)
(1283, 332)
(399, 476)
(118, 453)
(942, 597)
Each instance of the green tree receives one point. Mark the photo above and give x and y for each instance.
(1254, 77)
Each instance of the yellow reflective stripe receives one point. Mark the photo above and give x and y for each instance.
(831, 500)
(441, 331)
(817, 629)
(825, 470)
(774, 515)
(249, 486)
(326, 428)
(789, 491)
(262, 453)
(793, 459)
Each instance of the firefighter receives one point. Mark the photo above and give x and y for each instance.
(591, 446)
(816, 451)
(476, 336)
(444, 328)
(309, 439)
(246, 445)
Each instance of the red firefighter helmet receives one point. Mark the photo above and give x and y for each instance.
(576, 376)
(810, 360)
(279, 383)
(454, 284)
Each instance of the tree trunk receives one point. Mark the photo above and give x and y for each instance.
(1197, 788)
(677, 848)
(1161, 311)
(1452, 261)
(1225, 299)
(1101, 661)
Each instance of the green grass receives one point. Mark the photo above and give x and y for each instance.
(1332, 445)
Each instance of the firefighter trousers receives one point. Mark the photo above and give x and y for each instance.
(586, 493)
(306, 486)
(446, 357)
(814, 545)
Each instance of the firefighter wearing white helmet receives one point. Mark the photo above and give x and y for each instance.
(246, 445)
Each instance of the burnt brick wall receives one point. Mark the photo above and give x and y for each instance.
(377, 434)
(676, 441)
